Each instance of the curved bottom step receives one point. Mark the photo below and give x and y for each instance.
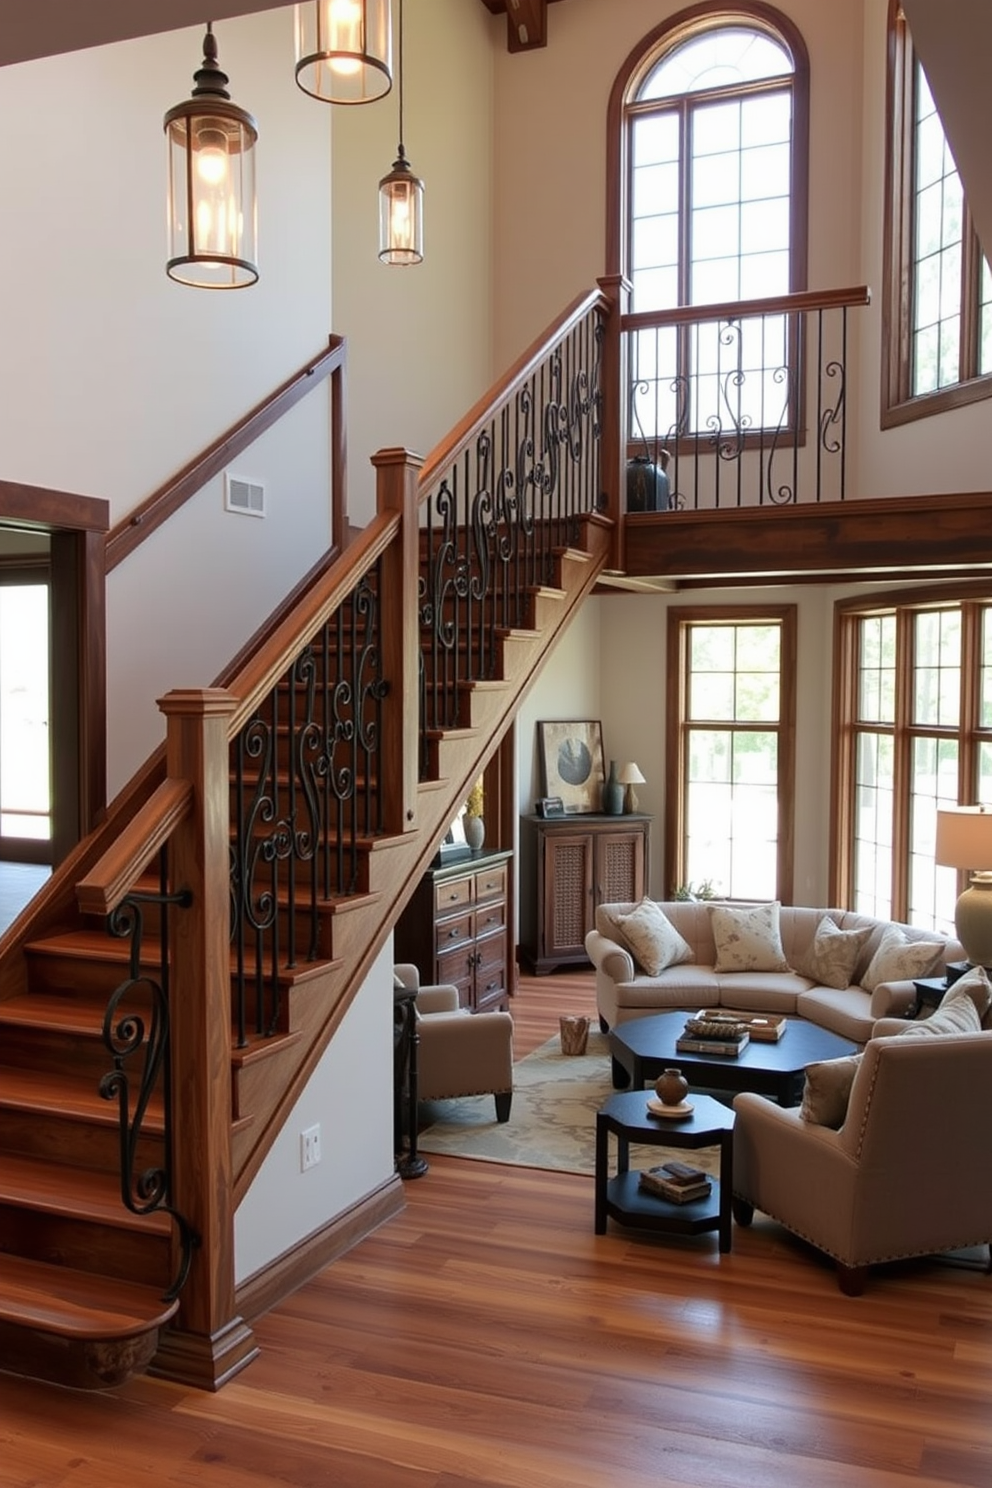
(75, 1328)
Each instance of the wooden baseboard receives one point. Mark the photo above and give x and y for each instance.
(281, 1277)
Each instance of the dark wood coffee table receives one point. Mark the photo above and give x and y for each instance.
(643, 1047)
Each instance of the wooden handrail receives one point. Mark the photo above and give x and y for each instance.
(792, 304)
(123, 538)
(262, 671)
(467, 429)
(107, 882)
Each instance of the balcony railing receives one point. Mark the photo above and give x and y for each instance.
(739, 404)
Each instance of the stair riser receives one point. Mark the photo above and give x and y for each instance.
(92, 980)
(105, 1249)
(55, 1053)
(83, 1144)
(97, 1364)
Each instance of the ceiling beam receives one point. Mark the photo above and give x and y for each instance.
(526, 22)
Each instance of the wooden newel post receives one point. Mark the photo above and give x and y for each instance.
(615, 383)
(210, 1342)
(397, 490)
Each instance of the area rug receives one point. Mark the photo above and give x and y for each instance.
(552, 1119)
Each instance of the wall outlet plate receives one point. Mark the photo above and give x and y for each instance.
(309, 1148)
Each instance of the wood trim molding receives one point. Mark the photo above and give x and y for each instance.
(269, 1286)
(146, 518)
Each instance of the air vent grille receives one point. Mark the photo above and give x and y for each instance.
(244, 496)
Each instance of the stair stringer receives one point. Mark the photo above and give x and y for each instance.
(397, 864)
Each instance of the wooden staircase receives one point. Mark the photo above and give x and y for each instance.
(89, 1264)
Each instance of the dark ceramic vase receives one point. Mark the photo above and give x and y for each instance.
(612, 793)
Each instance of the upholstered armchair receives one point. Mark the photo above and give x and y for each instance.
(908, 1171)
(458, 1052)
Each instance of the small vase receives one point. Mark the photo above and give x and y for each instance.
(671, 1087)
(475, 832)
(613, 793)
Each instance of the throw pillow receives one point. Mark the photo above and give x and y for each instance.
(899, 959)
(957, 1013)
(828, 1089)
(748, 939)
(653, 938)
(976, 985)
(833, 955)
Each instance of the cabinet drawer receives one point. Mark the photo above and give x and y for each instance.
(489, 917)
(455, 931)
(451, 895)
(490, 883)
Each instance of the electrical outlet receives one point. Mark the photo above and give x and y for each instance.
(309, 1148)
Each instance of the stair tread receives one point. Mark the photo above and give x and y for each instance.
(58, 1012)
(77, 1304)
(54, 1188)
(61, 1095)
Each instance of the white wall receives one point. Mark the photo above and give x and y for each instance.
(285, 1204)
(419, 337)
(113, 377)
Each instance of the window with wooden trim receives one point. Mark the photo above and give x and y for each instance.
(915, 735)
(731, 729)
(712, 202)
(937, 352)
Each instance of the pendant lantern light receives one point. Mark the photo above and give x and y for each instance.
(401, 199)
(212, 215)
(344, 49)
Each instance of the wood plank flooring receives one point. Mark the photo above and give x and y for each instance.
(486, 1338)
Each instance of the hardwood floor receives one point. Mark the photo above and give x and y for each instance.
(487, 1337)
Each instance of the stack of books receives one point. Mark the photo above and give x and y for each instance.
(709, 1033)
(676, 1181)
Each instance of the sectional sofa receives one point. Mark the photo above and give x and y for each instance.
(842, 970)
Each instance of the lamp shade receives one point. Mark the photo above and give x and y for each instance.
(629, 776)
(212, 225)
(964, 840)
(964, 837)
(344, 50)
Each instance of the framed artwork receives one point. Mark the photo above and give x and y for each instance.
(572, 763)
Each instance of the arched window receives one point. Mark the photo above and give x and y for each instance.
(711, 158)
(707, 206)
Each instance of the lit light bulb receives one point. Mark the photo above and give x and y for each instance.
(344, 25)
(211, 155)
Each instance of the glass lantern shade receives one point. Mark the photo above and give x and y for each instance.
(212, 213)
(344, 49)
(401, 215)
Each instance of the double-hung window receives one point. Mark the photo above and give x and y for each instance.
(915, 737)
(938, 287)
(731, 730)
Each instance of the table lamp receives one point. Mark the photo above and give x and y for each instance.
(630, 776)
(964, 840)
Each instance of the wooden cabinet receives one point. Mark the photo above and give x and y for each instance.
(455, 929)
(569, 865)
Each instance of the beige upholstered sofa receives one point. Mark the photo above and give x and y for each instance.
(624, 989)
(839, 1170)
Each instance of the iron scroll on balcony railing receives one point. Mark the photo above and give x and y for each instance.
(502, 501)
(740, 404)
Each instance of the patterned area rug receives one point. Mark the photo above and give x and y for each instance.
(552, 1120)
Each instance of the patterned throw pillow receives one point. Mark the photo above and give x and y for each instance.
(828, 1089)
(901, 960)
(653, 939)
(957, 1013)
(833, 955)
(748, 939)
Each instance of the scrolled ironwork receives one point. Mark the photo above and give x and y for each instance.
(306, 774)
(132, 1034)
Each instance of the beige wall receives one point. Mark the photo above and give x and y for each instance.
(419, 338)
